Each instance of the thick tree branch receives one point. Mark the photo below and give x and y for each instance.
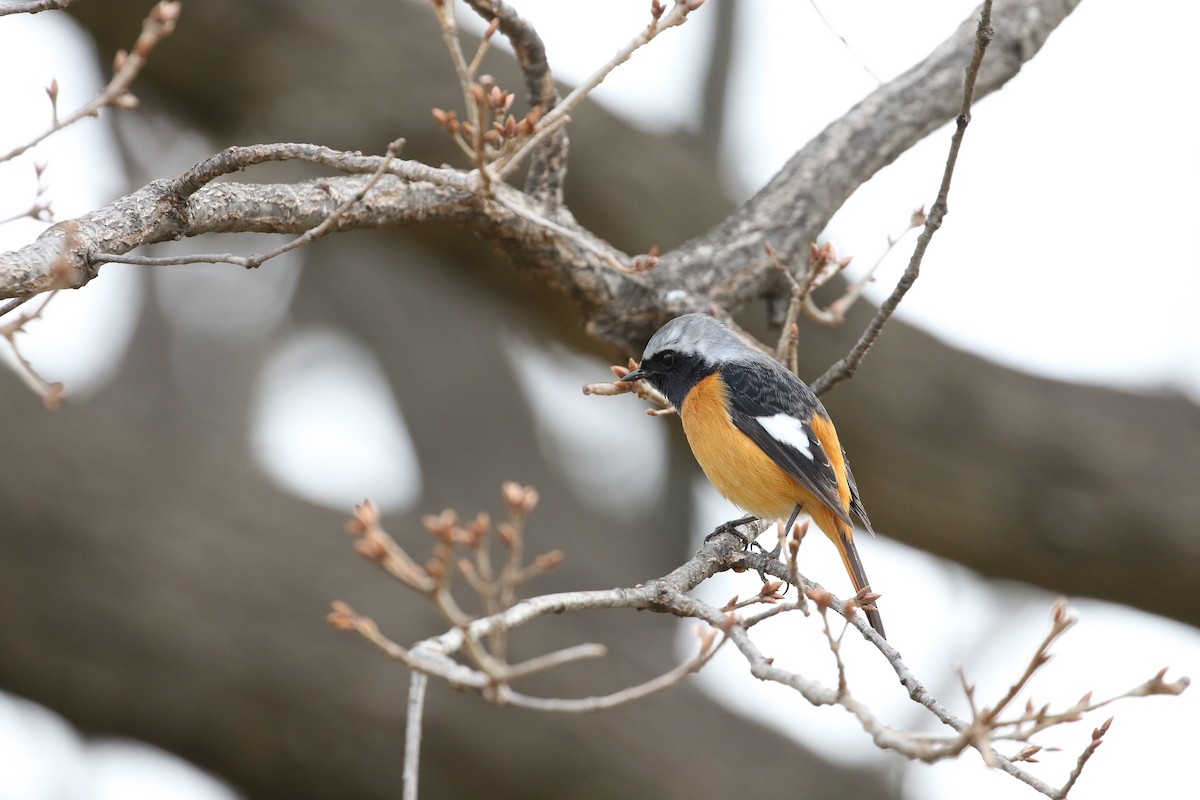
(728, 262)
(845, 366)
(726, 265)
(33, 6)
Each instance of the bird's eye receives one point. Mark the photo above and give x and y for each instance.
(668, 359)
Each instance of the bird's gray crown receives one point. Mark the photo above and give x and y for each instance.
(700, 335)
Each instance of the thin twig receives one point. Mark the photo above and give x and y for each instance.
(521, 210)
(1062, 622)
(558, 658)
(418, 682)
(853, 53)
(17, 302)
(548, 164)
(549, 123)
(446, 14)
(50, 392)
(40, 209)
(785, 350)
(587, 705)
(839, 307)
(1084, 757)
(240, 157)
(846, 366)
(158, 25)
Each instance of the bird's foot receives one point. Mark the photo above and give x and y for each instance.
(732, 527)
(772, 554)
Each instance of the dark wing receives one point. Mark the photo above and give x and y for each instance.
(770, 405)
(855, 502)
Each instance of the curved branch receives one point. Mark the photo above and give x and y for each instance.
(66, 254)
(670, 595)
(845, 366)
(728, 262)
(725, 266)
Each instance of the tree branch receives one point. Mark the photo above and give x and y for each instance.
(33, 6)
(548, 163)
(845, 366)
(725, 266)
(670, 594)
(727, 262)
(413, 725)
(158, 25)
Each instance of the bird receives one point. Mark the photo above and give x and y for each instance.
(759, 433)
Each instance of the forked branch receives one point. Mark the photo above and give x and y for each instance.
(466, 655)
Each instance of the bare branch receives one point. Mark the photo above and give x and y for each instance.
(158, 25)
(32, 6)
(839, 307)
(846, 366)
(588, 705)
(1061, 624)
(723, 269)
(326, 226)
(556, 659)
(446, 15)
(548, 162)
(1084, 757)
(66, 254)
(727, 264)
(40, 208)
(670, 594)
(51, 393)
(853, 53)
(559, 115)
(413, 723)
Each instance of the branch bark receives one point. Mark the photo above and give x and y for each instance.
(725, 266)
(1084, 487)
(727, 263)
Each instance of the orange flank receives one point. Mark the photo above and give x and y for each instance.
(834, 527)
(828, 438)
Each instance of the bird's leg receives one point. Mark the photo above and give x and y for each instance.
(774, 553)
(786, 530)
(732, 527)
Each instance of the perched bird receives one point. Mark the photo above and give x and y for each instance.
(760, 434)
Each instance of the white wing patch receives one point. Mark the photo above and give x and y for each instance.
(788, 430)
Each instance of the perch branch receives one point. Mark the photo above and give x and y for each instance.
(671, 594)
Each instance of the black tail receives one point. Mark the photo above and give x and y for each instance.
(859, 576)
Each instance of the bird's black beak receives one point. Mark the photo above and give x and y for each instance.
(636, 375)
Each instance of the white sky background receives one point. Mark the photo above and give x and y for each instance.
(1070, 251)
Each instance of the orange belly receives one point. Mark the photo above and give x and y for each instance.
(735, 465)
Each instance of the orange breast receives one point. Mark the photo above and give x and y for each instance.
(735, 465)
